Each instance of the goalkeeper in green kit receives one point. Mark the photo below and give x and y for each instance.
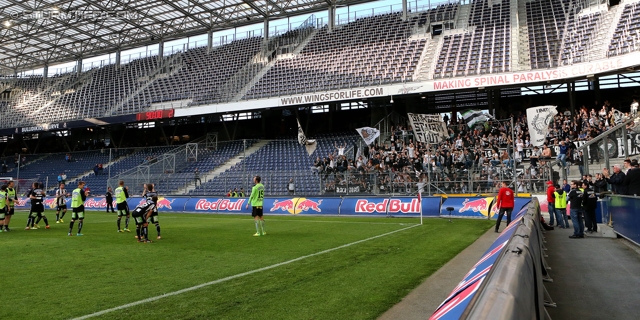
(256, 199)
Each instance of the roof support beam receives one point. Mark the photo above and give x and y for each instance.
(192, 17)
(254, 7)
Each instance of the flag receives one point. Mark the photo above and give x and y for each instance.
(309, 144)
(368, 134)
(539, 119)
(428, 128)
(473, 117)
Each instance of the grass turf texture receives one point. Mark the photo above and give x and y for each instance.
(53, 276)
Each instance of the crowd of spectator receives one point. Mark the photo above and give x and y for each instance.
(471, 159)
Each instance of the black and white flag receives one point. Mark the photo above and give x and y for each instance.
(428, 128)
(309, 144)
(368, 134)
(539, 119)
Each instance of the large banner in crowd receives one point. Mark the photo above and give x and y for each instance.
(539, 119)
(428, 128)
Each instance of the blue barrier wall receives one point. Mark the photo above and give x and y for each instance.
(477, 207)
(625, 214)
(394, 206)
(217, 205)
(458, 300)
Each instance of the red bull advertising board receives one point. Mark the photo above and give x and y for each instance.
(477, 207)
(302, 205)
(395, 206)
(165, 204)
(217, 205)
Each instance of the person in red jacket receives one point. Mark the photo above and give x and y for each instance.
(505, 202)
(551, 202)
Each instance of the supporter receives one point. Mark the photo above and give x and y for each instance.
(340, 148)
(318, 165)
(632, 179)
(600, 185)
(546, 154)
(562, 155)
(196, 178)
(566, 186)
(291, 186)
(579, 160)
(616, 180)
(535, 155)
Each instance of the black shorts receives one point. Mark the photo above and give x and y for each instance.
(139, 216)
(154, 218)
(78, 209)
(3, 212)
(11, 211)
(256, 212)
(62, 207)
(77, 215)
(123, 209)
(37, 209)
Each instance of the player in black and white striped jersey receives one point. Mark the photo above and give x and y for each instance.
(61, 202)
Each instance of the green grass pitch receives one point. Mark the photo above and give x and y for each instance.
(49, 275)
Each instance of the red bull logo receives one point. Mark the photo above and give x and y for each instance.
(305, 205)
(284, 205)
(49, 203)
(481, 205)
(220, 204)
(477, 205)
(296, 205)
(161, 203)
(388, 205)
(21, 202)
(165, 203)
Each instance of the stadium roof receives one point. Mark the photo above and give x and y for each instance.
(35, 32)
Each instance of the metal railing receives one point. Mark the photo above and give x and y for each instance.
(610, 147)
(477, 180)
(163, 169)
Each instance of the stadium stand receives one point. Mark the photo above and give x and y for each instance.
(577, 38)
(379, 49)
(481, 49)
(106, 87)
(626, 37)
(372, 50)
(546, 23)
(277, 162)
(203, 74)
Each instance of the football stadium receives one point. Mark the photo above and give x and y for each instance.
(320, 159)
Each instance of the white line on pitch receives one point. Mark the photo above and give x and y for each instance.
(139, 302)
